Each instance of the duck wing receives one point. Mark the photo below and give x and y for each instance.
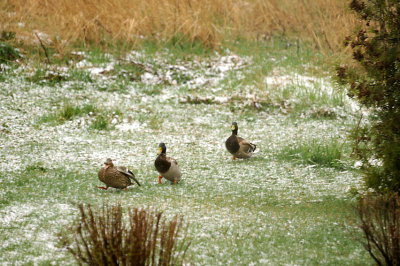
(174, 172)
(114, 178)
(246, 146)
(123, 170)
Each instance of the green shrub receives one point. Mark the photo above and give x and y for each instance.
(374, 81)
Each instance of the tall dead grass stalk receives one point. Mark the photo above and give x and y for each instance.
(211, 22)
(107, 237)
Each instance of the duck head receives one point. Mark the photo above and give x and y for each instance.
(234, 128)
(108, 163)
(161, 148)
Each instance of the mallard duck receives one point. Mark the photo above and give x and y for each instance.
(115, 176)
(237, 146)
(167, 166)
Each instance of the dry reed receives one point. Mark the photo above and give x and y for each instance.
(211, 22)
(106, 237)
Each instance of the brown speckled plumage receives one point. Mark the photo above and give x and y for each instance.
(116, 176)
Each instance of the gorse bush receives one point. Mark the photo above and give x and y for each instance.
(379, 221)
(108, 237)
(374, 81)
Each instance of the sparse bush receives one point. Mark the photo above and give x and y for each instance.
(379, 221)
(106, 237)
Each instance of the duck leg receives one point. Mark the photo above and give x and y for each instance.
(234, 157)
(175, 182)
(159, 179)
(104, 188)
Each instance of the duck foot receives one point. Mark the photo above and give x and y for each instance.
(104, 188)
(175, 182)
(159, 179)
(234, 157)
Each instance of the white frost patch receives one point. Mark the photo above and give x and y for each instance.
(102, 70)
(297, 79)
(149, 78)
(132, 126)
(14, 214)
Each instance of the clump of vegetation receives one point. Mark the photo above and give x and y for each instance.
(97, 119)
(80, 75)
(68, 112)
(106, 237)
(131, 71)
(101, 122)
(323, 113)
(328, 154)
(43, 76)
(7, 52)
(379, 218)
(374, 81)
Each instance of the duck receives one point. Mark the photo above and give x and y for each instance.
(167, 167)
(237, 146)
(115, 176)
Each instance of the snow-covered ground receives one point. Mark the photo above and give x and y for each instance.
(260, 211)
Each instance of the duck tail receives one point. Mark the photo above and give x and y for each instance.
(254, 146)
(132, 176)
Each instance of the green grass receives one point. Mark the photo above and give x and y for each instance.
(324, 153)
(80, 75)
(100, 123)
(98, 119)
(288, 204)
(67, 112)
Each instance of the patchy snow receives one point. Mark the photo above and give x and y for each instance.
(236, 209)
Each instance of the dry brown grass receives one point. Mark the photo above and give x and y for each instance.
(106, 237)
(212, 22)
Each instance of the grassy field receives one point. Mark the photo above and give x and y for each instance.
(288, 205)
